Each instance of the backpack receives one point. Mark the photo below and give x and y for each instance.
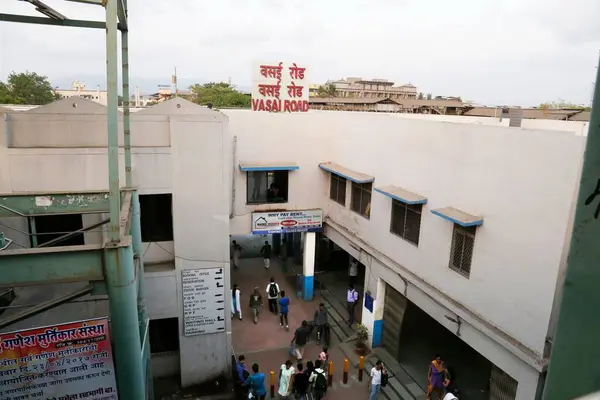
(273, 290)
(320, 382)
(384, 380)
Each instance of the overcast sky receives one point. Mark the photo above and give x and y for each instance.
(516, 52)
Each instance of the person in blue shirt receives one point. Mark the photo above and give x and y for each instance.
(241, 376)
(256, 383)
(284, 304)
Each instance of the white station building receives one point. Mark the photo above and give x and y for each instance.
(461, 225)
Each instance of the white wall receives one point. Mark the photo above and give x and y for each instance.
(480, 340)
(263, 138)
(577, 127)
(520, 180)
(514, 178)
(201, 228)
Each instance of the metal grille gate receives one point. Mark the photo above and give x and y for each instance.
(502, 385)
(393, 314)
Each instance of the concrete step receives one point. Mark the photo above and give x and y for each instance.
(394, 390)
(405, 380)
(337, 310)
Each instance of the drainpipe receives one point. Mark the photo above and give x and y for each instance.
(234, 157)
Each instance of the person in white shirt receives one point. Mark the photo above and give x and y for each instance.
(375, 382)
(451, 395)
(272, 295)
(353, 270)
(236, 307)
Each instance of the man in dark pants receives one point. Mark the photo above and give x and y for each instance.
(352, 299)
(266, 253)
(320, 320)
(240, 377)
(272, 295)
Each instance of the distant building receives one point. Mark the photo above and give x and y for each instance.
(530, 113)
(78, 89)
(165, 92)
(386, 104)
(370, 88)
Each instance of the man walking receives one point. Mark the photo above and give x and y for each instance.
(321, 319)
(375, 382)
(319, 380)
(284, 307)
(240, 376)
(272, 295)
(299, 340)
(266, 252)
(283, 254)
(352, 299)
(236, 251)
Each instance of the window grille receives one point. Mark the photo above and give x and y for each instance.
(337, 189)
(406, 221)
(361, 199)
(463, 242)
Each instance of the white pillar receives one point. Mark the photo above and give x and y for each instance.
(378, 307)
(308, 269)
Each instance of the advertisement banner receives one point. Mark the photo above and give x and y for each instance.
(66, 361)
(287, 221)
(280, 87)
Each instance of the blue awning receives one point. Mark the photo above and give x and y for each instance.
(458, 217)
(346, 173)
(402, 195)
(269, 166)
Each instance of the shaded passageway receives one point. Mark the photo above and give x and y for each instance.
(267, 334)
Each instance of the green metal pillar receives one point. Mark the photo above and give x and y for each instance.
(573, 369)
(113, 117)
(136, 233)
(121, 285)
(119, 264)
(126, 113)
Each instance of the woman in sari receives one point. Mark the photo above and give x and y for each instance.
(436, 377)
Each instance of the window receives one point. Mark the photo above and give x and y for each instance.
(263, 187)
(164, 335)
(361, 199)
(156, 212)
(406, 221)
(337, 189)
(461, 253)
(46, 225)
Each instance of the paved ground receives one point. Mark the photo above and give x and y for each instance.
(267, 344)
(271, 360)
(267, 334)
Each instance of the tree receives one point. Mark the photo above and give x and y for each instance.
(27, 88)
(327, 90)
(220, 95)
(420, 96)
(562, 105)
(429, 96)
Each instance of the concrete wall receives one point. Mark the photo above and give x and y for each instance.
(515, 178)
(520, 180)
(68, 156)
(512, 362)
(201, 227)
(263, 138)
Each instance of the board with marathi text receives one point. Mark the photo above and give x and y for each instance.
(65, 361)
